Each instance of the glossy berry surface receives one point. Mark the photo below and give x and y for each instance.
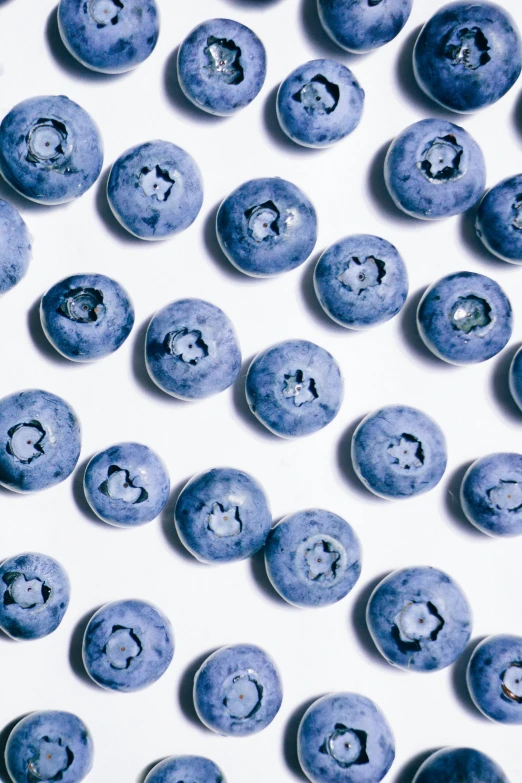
(499, 220)
(459, 765)
(15, 247)
(494, 678)
(189, 769)
(491, 494)
(363, 25)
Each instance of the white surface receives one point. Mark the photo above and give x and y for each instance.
(317, 651)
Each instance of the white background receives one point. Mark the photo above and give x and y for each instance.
(317, 651)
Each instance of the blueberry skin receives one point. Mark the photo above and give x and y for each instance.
(469, 343)
(201, 504)
(429, 194)
(215, 678)
(24, 746)
(448, 613)
(51, 459)
(105, 327)
(515, 378)
(121, 43)
(189, 769)
(294, 388)
(329, 109)
(15, 247)
(225, 90)
(214, 360)
(489, 481)
(488, 668)
(153, 645)
(459, 765)
(360, 25)
(143, 469)
(301, 541)
(499, 220)
(291, 236)
(361, 302)
(491, 67)
(78, 158)
(325, 721)
(155, 210)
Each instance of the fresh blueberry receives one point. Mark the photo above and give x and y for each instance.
(319, 103)
(361, 281)
(515, 378)
(110, 36)
(494, 678)
(345, 738)
(50, 149)
(499, 220)
(221, 66)
(86, 317)
(491, 494)
(126, 485)
(313, 558)
(434, 169)
(189, 769)
(419, 619)
(223, 515)
(34, 595)
(49, 745)
(468, 55)
(459, 765)
(40, 440)
(191, 349)
(15, 247)
(266, 226)
(363, 25)
(127, 646)
(465, 318)
(237, 691)
(294, 388)
(155, 190)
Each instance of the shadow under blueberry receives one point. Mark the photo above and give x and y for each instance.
(260, 576)
(142, 776)
(275, 131)
(344, 460)
(500, 384)
(140, 372)
(4, 736)
(105, 213)
(214, 250)
(408, 771)
(79, 498)
(317, 36)
(290, 738)
(241, 405)
(517, 115)
(39, 339)
(177, 97)
(452, 502)
(312, 302)
(410, 332)
(459, 684)
(360, 626)
(408, 85)
(75, 649)
(169, 528)
(186, 688)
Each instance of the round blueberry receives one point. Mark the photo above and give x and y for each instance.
(266, 227)
(237, 691)
(491, 494)
(49, 745)
(459, 765)
(191, 349)
(189, 769)
(127, 646)
(361, 281)
(515, 378)
(155, 190)
(110, 36)
(41, 440)
(363, 25)
(223, 515)
(126, 485)
(434, 169)
(50, 149)
(468, 55)
(15, 247)
(499, 220)
(494, 678)
(419, 619)
(313, 558)
(221, 66)
(345, 738)
(465, 318)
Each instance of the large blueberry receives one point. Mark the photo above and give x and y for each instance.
(189, 769)
(221, 66)
(50, 149)
(419, 619)
(223, 515)
(15, 247)
(155, 190)
(494, 678)
(465, 318)
(499, 220)
(266, 226)
(434, 169)
(363, 25)
(491, 494)
(515, 378)
(468, 55)
(459, 765)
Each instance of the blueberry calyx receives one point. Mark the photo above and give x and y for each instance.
(470, 50)
(46, 141)
(122, 647)
(318, 96)
(512, 682)
(322, 560)
(263, 221)
(224, 522)
(506, 495)
(119, 486)
(517, 209)
(224, 60)
(360, 275)
(186, 345)
(51, 760)
(415, 624)
(470, 312)
(83, 305)
(105, 12)
(26, 593)
(301, 389)
(441, 159)
(243, 696)
(25, 441)
(346, 746)
(157, 182)
(406, 452)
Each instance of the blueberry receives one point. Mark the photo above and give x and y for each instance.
(313, 558)
(363, 25)
(126, 485)
(221, 66)
(237, 691)
(319, 103)
(49, 745)
(515, 378)
(361, 281)
(266, 226)
(128, 645)
(155, 190)
(491, 494)
(15, 247)
(50, 149)
(459, 765)
(419, 619)
(345, 738)
(465, 318)
(294, 388)
(223, 515)
(494, 678)
(34, 595)
(191, 349)
(434, 169)
(110, 36)
(499, 220)
(468, 55)
(40, 440)
(189, 769)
